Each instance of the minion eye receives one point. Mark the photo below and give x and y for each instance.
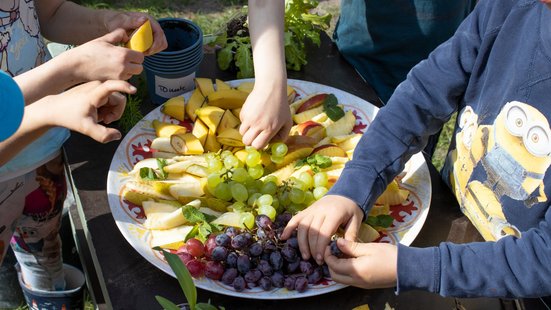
(516, 120)
(466, 117)
(538, 140)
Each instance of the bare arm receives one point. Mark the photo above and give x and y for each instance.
(266, 113)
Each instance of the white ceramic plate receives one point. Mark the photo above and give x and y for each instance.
(408, 217)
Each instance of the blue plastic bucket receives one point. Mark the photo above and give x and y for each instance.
(71, 298)
(170, 73)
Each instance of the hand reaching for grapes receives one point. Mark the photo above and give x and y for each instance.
(368, 265)
(320, 221)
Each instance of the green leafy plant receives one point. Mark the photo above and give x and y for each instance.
(132, 113)
(186, 283)
(300, 26)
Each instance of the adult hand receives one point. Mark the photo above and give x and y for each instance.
(130, 21)
(101, 59)
(370, 265)
(265, 116)
(317, 223)
(82, 107)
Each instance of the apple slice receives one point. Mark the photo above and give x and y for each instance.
(307, 115)
(311, 129)
(312, 102)
(343, 126)
(331, 150)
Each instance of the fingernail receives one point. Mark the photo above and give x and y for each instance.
(133, 88)
(319, 259)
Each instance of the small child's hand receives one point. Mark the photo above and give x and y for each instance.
(82, 107)
(317, 223)
(265, 116)
(369, 265)
(129, 21)
(101, 59)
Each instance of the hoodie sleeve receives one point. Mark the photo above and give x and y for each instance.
(419, 107)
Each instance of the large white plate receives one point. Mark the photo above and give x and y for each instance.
(408, 217)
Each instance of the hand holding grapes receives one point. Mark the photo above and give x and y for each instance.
(367, 265)
(320, 221)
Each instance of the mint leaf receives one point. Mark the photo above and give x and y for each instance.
(382, 220)
(193, 215)
(330, 100)
(161, 163)
(334, 112)
(147, 174)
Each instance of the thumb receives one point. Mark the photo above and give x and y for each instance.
(350, 248)
(133, 20)
(115, 37)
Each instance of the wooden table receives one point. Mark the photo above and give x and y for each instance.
(120, 278)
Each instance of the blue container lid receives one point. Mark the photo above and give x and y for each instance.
(12, 106)
(173, 68)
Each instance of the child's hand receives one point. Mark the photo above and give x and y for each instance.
(101, 59)
(82, 107)
(371, 265)
(130, 21)
(320, 221)
(265, 116)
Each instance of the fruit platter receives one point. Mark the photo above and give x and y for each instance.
(182, 181)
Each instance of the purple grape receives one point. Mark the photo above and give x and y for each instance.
(289, 254)
(243, 263)
(292, 267)
(306, 267)
(252, 284)
(326, 272)
(292, 242)
(265, 255)
(261, 234)
(276, 260)
(269, 246)
(256, 249)
(239, 284)
(283, 218)
(263, 222)
(231, 231)
(289, 283)
(248, 237)
(301, 284)
(315, 276)
(229, 275)
(253, 276)
(231, 259)
(265, 268)
(335, 249)
(265, 283)
(219, 253)
(277, 279)
(239, 242)
(222, 240)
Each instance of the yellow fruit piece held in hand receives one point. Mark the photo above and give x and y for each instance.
(142, 38)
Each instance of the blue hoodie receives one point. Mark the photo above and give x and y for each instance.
(496, 73)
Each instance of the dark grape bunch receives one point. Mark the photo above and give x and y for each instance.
(253, 258)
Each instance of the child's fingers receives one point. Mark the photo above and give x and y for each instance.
(114, 109)
(250, 135)
(109, 87)
(115, 37)
(101, 133)
(350, 248)
(302, 237)
(261, 140)
(315, 236)
(337, 268)
(352, 228)
(327, 229)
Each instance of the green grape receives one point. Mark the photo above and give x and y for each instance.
(320, 179)
(307, 179)
(239, 192)
(319, 192)
(252, 198)
(214, 165)
(239, 175)
(296, 195)
(210, 156)
(231, 161)
(247, 219)
(249, 148)
(294, 208)
(309, 198)
(213, 179)
(276, 159)
(284, 199)
(251, 190)
(269, 188)
(279, 149)
(222, 191)
(265, 200)
(299, 184)
(239, 206)
(258, 184)
(267, 210)
(225, 154)
(270, 178)
(253, 158)
(256, 171)
(276, 205)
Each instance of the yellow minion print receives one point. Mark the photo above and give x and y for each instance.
(514, 153)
